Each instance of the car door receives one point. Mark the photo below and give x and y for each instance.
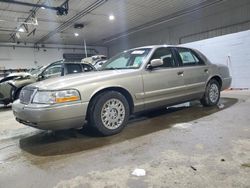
(195, 72)
(163, 85)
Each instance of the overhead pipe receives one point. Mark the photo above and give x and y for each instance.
(14, 45)
(63, 9)
(72, 20)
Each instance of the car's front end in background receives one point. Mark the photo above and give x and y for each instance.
(11, 86)
(5, 93)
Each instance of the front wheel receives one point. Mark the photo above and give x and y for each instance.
(212, 94)
(109, 113)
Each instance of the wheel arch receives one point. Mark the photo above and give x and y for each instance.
(119, 89)
(217, 78)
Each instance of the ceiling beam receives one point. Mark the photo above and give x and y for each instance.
(6, 30)
(15, 11)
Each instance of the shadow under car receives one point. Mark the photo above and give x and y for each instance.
(49, 143)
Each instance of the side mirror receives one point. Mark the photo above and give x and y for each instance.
(155, 63)
(40, 77)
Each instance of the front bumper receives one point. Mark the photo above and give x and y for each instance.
(51, 117)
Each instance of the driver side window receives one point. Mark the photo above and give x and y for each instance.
(166, 56)
(54, 70)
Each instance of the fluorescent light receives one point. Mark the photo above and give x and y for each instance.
(111, 17)
(76, 34)
(43, 8)
(21, 30)
(18, 35)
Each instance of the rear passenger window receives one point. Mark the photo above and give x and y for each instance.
(73, 68)
(188, 57)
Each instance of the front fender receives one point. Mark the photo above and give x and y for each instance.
(109, 87)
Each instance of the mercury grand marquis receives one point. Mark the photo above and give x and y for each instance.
(135, 80)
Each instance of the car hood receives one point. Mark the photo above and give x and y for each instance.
(74, 80)
(24, 74)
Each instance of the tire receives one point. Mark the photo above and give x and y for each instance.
(5, 103)
(109, 113)
(212, 94)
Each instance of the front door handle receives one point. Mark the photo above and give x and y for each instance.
(180, 73)
(206, 70)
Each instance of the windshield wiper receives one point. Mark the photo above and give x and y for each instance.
(110, 68)
(113, 68)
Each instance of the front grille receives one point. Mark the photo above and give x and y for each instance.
(26, 94)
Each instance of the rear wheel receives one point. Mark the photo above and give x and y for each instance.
(109, 113)
(212, 94)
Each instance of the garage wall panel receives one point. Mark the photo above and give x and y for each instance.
(14, 58)
(231, 50)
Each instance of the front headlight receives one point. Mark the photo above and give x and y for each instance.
(55, 97)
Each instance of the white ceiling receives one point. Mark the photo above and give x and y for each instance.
(128, 14)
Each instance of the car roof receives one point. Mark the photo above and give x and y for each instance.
(154, 46)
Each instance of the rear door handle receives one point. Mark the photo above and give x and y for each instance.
(180, 73)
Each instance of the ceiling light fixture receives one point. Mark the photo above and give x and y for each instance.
(21, 30)
(76, 34)
(111, 17)
(43, 8)
(78, 26)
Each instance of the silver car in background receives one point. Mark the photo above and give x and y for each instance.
(135, 80)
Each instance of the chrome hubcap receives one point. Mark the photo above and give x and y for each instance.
(113, 114)
(213, 93)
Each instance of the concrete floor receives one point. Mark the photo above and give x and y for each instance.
(179, 147)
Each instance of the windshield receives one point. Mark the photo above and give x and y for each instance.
(35, 71)
(131, 59)
(42, 68)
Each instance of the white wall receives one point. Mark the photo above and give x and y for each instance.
(25, 57)
(232, 50)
